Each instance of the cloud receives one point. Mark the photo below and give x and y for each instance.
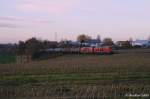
(18, 20)
(46, 6)
(7, 25)
(5, 18)
(43, 21)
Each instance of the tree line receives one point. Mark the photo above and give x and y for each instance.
(83, 38)
(34, 45)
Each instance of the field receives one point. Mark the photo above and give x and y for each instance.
(124, 75)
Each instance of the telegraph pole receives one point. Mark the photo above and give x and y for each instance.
(55, 36)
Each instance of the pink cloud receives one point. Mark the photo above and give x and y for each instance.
(12, 22)
(47, 6)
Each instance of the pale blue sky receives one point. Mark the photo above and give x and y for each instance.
(119, 19)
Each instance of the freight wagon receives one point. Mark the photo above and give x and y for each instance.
(82, 50)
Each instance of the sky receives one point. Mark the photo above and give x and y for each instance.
(66, 19)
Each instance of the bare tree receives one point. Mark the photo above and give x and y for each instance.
(99, 38)
(108, 42)
(82, 38)
(21, 48)
(149, 37)
(130, 41)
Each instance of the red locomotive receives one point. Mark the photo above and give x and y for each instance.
(96, 50)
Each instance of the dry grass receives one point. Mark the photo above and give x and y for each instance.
(129, 62)
(79, 76)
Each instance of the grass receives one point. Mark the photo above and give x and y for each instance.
(82, 64)
(85, 77)
(79, 76)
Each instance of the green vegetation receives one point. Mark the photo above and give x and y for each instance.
(84, 77)
(6, 58)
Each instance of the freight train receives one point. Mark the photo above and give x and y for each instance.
(82, 50)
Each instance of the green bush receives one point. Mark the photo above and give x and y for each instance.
(7, 58)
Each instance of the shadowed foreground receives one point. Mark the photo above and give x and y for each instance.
(79, 77)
